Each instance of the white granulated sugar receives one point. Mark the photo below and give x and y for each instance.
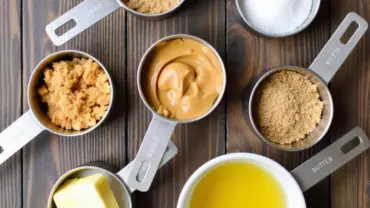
(276, 17)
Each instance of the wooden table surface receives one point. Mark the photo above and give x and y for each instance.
(119, 41)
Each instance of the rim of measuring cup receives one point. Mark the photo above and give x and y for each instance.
(313, 13)
(147, 15)
(252, 119)
(49, 60)
(69, 173)
(177, 36)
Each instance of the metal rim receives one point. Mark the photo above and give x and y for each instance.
(254, 125)
(62, 178)
(176, 36)
(77, 133)
(294, 32)
(149, 15)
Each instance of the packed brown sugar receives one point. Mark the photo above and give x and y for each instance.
(77, 93)
(152, 6)
(288, 107)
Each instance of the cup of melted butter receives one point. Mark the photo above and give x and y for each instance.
(238, 184)
(239, 180)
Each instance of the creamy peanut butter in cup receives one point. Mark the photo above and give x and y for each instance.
(181, 79)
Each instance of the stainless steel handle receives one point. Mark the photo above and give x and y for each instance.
(330, 159)
(170, 153)
(85, 15)
(17, 135)
(335, 52)
(150, 153)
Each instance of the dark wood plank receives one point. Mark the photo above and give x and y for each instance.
(10, 97)
(197, 142)
(49, 156)
(247, 56)
(351, 94)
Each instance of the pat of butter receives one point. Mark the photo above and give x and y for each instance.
(64, 195)
(92, 191)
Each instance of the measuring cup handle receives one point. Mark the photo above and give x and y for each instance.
(84, 15)
(330, 159)
(335, 52)
(171, 151)
(17, 135)
(150, 153)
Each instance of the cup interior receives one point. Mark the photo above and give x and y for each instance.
(146, 58)
(326, 117)
(39, 109)
(314, 10)
(293, 194)
(119, 189)
(151, 16)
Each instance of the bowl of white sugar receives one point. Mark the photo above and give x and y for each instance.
(278, 18)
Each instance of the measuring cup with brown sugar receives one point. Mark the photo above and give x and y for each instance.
(36, 119)
(89, 12)
(321, 71)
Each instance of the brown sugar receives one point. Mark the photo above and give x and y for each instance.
(288, 107)
(151, 6)
(76, 92)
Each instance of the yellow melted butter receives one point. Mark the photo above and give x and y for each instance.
(238, 185)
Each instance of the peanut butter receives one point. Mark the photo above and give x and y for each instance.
(182, 79)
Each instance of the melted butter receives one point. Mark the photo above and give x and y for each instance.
(182, 79)
(238, 185)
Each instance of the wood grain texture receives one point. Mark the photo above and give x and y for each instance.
(10, 97)
(197, 142)
(49, 156)
(119, 41)
(351, 95)
(248, 55)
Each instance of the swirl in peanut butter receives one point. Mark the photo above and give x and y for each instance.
(182, 79)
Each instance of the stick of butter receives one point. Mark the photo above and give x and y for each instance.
(92, 191)
(64, 197)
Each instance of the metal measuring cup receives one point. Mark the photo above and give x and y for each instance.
(117, 180)
(319, 73)
(293, 183)
(161, 128)
(90, 12)
(35, 120)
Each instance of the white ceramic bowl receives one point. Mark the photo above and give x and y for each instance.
(293, 194)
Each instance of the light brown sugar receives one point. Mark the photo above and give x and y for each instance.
(288, 107)
(77, 93)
